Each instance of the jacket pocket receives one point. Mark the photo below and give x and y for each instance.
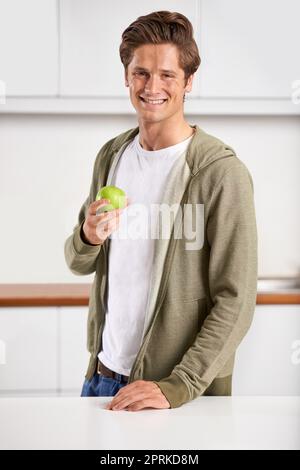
(188, 310)
(183, 319)
(174, 332)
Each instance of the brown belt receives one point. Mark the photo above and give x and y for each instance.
(106, 372)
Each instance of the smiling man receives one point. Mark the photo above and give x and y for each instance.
(165, 321)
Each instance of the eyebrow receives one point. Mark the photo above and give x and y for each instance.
(161, 70)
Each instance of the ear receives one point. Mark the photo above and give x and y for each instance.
(189, 83)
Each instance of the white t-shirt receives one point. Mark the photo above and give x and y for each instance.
(142, 174)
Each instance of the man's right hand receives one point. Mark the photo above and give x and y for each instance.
(97, 228)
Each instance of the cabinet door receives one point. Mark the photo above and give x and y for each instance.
(90, 40)
(29, 47)
(266, 360)
(28, 336)
(250, 49)
(74, 356)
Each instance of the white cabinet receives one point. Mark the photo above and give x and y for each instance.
(43, 350)
(73, 352)
(30, 338)
(266, 360)
(249, 49)
(29, 47)
(69, 50)
(90, 39)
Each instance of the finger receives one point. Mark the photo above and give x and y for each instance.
(96, 205)
(132, 387)
(103, 231)
(141, 405)
(104, 217)
(118, 398)
(139, 389)
(123, 392)
(153, 401)
(109, 226)
(109, 406)
(130, 399)
(137, 404)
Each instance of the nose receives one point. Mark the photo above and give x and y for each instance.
(152, 85)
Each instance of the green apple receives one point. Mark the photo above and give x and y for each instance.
(116, 196)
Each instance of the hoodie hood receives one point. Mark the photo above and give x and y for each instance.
(203, 149)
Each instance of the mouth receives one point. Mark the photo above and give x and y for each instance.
(152, 103)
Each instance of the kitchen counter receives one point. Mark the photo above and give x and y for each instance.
(205, 423)
(269, 292)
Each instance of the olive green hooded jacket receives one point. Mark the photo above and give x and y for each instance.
(201, 301)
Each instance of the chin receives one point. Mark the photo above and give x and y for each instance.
(149, 119)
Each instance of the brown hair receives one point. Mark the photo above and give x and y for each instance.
(162, 27)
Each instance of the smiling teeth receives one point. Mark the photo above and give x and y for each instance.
(154, 101)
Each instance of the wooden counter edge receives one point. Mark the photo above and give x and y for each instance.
(48, 295)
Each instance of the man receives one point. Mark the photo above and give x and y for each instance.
(165, 316)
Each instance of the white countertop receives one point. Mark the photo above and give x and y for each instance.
(204, 423)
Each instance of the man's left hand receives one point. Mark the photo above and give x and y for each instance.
(137, 396)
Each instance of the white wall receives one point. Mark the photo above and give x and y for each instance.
(45, 171)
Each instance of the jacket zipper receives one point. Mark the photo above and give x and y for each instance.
(102, 296)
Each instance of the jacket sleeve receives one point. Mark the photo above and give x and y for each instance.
(81, 257)
(232, 237)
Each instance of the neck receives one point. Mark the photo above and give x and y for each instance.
(159, 135)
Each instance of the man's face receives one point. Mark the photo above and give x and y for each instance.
(154, 74)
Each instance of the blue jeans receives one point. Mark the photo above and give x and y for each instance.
(100, 386)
